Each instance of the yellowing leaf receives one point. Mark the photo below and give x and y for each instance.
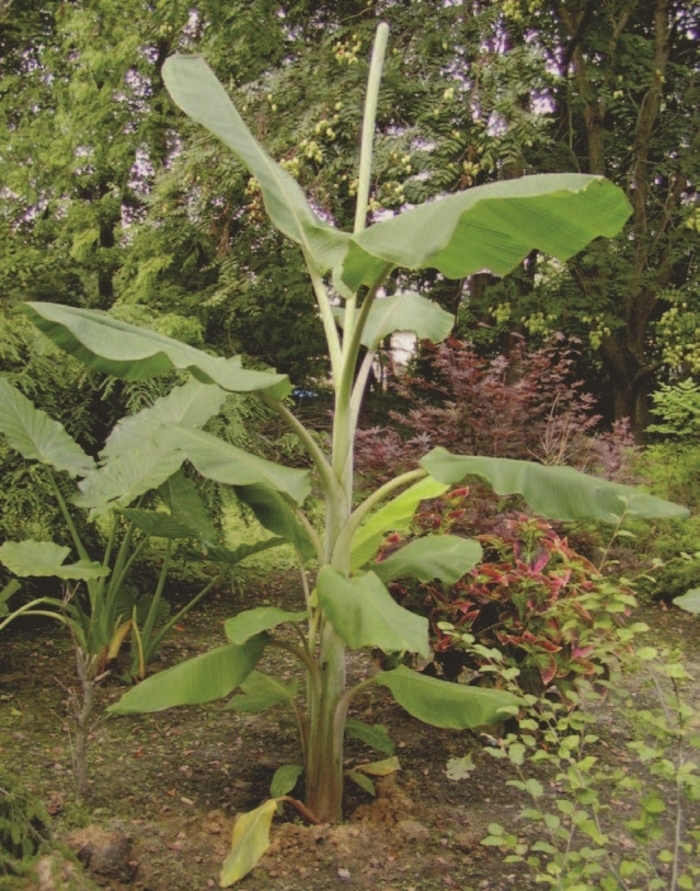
(250, 840)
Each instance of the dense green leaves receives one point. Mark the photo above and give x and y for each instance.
(364, 614)
(204, 678)
(443, 704)
(560, 493)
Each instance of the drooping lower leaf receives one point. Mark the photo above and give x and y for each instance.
(444, 557)
(444, 704)
(560, 493)
(36, 436)
(45, 559)
(364, 614)
(127, 351)
(250, 840)
(250, 622)
(187, 506)
(203, 678)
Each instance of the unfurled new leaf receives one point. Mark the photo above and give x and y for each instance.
(195, 88)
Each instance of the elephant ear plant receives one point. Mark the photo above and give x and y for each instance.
(348, 606)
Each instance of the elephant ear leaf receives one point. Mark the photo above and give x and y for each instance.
(36, 436)
(195, 88)
(491, 227)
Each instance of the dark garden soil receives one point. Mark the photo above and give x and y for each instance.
(167, 787)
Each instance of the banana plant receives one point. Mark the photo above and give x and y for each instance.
(346, 605)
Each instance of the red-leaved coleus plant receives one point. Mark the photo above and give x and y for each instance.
(546, 608)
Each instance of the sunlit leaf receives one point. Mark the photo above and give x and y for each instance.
(382, 768)
(395, 516)
(443, 704)
(364, 614)
(251, 838)
(460, 768)
(36, 436)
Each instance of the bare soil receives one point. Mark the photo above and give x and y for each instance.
(168, 786)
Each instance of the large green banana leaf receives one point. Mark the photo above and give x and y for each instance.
(204, 678)
(36, 436)
(560, 493)
(195, 88)
(126, 351)
(443, 704)
(364, 614)
(491, 227)
(252, 622)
